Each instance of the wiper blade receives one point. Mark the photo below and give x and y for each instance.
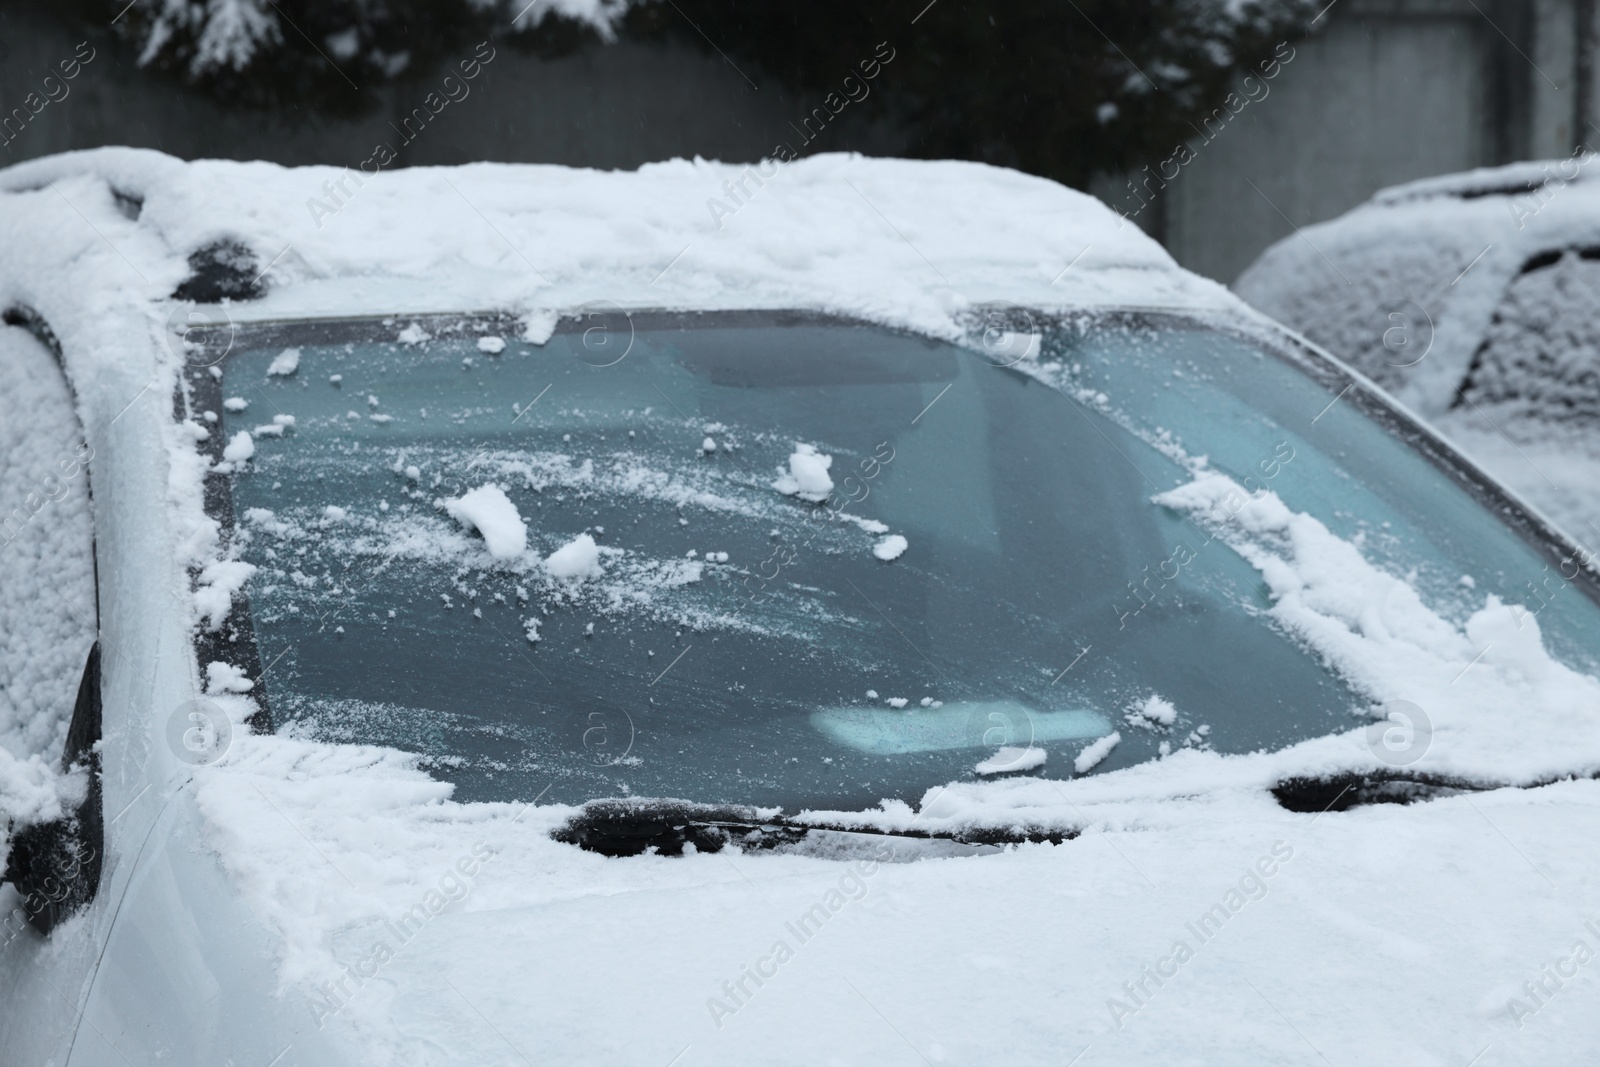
(631, 827)
(1342, 792)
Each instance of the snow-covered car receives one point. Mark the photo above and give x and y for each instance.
(836, 610)
(1475, 299)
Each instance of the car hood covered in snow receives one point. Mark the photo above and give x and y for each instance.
(1187, 915)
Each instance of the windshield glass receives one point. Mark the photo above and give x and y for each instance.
(792, 561)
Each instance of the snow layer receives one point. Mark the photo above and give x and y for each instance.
(1538, 361)
(1437, 258)
(46, 574)
(31, 791)
(355, 839)
(416, 239)
(47, 595)
(657, 938)
(1375, 631)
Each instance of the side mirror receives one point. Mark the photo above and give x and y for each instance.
(56, 865)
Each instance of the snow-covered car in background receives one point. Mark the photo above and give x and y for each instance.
(539, 618)
(1474, 298)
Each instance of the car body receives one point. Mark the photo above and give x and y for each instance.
(1471, 297)
(310, 395)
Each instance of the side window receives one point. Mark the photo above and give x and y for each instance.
(1537, 360)
(47, 594)
(49, 661)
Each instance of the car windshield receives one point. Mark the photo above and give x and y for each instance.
(802, 562)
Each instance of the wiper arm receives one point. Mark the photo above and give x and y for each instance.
(630, 827)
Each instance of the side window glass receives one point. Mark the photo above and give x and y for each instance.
(49, 664)
(1537, 361)
(47, 594)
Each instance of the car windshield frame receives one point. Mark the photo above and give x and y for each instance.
(202, 390)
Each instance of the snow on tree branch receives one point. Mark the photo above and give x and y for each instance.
(206, 37)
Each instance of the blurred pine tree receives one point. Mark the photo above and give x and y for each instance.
(1063, 88)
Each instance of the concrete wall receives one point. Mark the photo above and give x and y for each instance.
(1387, 91)
(614, 106)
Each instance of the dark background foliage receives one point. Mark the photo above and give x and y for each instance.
(1020, 85)
(1062, 88)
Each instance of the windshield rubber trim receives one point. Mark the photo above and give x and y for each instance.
(234, 641)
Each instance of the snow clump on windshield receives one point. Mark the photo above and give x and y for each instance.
(224, 677)
(539, 326)
(890, 547)
(219, 582)
(1158, 710)
(488, 510)
(285, 363)
(807, 476)
(578, 558)
(1090, 757)
(240, 448)
(1012, 759)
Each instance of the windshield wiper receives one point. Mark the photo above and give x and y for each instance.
(633, 826)
(1342, 792)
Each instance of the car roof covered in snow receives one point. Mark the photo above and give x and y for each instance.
(1439, 251)
(902, 242)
